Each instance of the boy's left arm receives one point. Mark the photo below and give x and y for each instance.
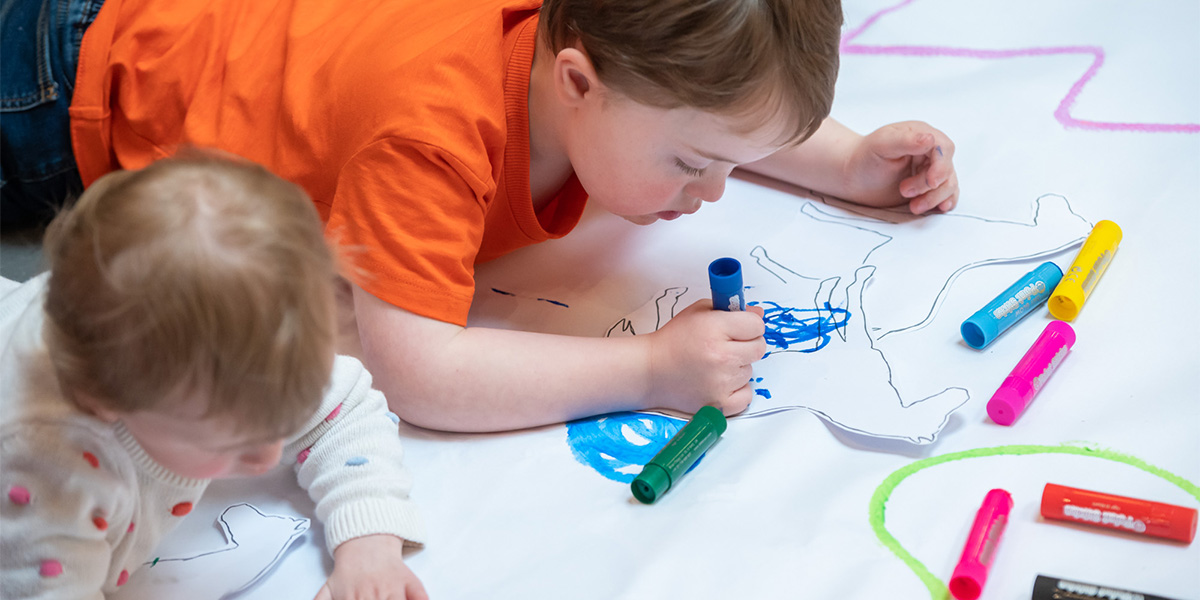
(902, 163)
(350, 460)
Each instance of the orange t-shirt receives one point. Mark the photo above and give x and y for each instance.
(406, 121)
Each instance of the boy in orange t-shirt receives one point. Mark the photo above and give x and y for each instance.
(434, 135)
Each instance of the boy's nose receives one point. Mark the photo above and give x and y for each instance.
(709, 189)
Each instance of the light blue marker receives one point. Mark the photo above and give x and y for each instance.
(1005, 310)
(725, 279)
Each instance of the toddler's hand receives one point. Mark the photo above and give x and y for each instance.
(904, 162)
(703, 356)
(372, 568)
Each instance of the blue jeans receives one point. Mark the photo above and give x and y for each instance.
(39, 50)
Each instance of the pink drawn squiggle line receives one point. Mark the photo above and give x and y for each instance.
(1062, 113)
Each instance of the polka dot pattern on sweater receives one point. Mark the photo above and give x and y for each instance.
(19, 494)
(334, 413)
(355, 461)
(181, 509)
(50, 568)
(92, 460)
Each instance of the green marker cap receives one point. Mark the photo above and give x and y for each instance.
(653, 482)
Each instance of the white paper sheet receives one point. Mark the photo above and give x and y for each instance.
(781, 506)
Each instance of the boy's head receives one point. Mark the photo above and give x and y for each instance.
(656, 102)
(199, 287)
(739, 58)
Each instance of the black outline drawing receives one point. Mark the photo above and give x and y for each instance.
(873, 223)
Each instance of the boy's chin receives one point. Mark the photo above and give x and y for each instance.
(639, 219)
(652, 218)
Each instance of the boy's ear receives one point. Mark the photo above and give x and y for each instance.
(575, 79)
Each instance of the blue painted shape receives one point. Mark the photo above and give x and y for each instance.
(764, 392)
(355, 461)
(787, 326)
(617, 445)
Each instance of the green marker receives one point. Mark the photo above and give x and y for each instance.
(688, 445)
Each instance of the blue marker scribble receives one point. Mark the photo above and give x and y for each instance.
(618, 445)
(788, 326)
(504, 292)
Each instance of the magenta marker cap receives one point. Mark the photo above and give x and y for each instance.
(1031, 373)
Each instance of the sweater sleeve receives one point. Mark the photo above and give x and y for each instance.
(350, 461)
(69, 499)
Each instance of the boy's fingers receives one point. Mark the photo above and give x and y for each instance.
(744, 326)
(900, 143)
(948, 204)
(750, 351)
(738, 401)
(934, 198)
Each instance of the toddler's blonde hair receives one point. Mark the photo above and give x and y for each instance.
(197, 274)
(735, 57)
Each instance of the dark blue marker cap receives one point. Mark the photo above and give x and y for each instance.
(725, 278)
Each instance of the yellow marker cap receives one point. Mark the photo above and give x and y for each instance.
(1079, 281)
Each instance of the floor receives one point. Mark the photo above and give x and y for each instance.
(21, 254)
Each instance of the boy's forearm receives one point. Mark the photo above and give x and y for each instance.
(478, 379)
(817, 164)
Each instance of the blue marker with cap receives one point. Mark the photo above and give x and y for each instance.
(725, 278)
(1028, 293)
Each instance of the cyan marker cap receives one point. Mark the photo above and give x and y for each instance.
(1011, 305)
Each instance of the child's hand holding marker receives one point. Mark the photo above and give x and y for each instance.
(704, 356)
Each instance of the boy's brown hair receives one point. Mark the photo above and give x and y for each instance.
(197, 274)
(734, 57)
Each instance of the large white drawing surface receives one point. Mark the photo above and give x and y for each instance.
(841, 283)
(857, 471)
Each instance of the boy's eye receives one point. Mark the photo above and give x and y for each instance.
(686, 168)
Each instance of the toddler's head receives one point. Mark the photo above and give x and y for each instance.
(193, 301)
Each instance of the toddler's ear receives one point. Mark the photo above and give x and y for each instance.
(94, 407)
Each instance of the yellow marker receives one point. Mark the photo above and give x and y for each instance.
(1078, 282)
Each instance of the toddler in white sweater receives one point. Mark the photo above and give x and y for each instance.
(185, 332)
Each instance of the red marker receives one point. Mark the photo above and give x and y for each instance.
(1142, 517)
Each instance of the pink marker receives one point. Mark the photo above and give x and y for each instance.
(971, 573)
(1031, 373)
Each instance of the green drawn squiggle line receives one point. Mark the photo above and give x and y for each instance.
(937, 588)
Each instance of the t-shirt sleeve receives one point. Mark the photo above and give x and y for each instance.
(67, 504)
(350, 460)
(409, 218)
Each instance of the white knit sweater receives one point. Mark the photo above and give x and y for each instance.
(82, 506)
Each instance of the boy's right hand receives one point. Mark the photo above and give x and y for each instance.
(703, 357)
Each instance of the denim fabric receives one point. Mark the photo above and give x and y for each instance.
(39, 50)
